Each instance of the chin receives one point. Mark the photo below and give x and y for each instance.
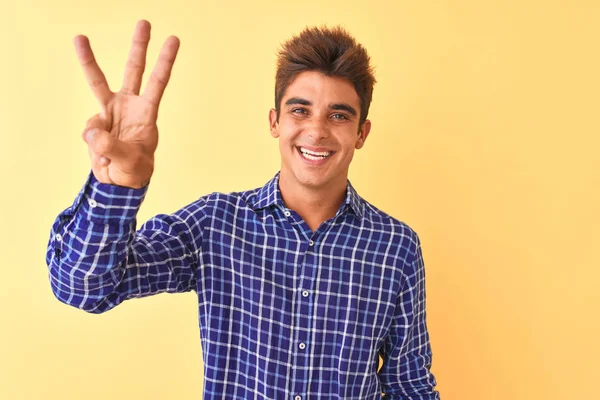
(307, 177)
(313, 181)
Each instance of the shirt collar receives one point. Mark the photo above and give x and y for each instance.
(270, 195)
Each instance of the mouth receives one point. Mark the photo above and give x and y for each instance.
(311, 155)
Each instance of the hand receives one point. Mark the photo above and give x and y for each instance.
(122, 138)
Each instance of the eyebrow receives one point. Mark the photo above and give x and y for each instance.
(335, 106)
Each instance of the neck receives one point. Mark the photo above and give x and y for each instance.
(314, 204)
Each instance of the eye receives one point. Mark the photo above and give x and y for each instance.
(299, 110)
(340, 117)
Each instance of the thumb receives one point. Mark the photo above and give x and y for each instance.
(96, 122)
(104, 144)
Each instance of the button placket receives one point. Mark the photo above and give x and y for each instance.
(308, 271)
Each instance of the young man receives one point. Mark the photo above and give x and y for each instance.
(301, 283)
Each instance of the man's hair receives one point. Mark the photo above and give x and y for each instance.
(332, 52)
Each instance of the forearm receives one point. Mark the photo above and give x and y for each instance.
(88, 245)
(97, 259)
(88, 263)
(406, 370)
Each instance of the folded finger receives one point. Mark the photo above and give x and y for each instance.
(98, 168)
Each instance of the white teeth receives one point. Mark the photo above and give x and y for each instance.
(307, 153)
(309, 157)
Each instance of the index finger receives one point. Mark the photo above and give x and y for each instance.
(162, 71)
(93, 73)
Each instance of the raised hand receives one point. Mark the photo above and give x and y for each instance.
(123, 137)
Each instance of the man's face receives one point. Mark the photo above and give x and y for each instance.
(318, 130)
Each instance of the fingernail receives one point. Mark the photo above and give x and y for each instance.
(89, 134)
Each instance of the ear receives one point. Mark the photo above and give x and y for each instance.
(273, 124)
(362, 135)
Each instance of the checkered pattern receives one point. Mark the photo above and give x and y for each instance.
(284, 312)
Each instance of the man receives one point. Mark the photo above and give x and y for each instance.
(301, 283)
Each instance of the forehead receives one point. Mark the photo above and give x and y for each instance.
(322, 90)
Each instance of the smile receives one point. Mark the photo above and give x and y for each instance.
(314, 155)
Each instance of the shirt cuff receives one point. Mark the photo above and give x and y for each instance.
(110, 204)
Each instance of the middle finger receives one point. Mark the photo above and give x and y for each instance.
(136, 63)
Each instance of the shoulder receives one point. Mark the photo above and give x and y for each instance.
(405, 244)
(221, 203)
(400, 232)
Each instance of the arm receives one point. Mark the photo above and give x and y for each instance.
(96, 259)
(407, 358)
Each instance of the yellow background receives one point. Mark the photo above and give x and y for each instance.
(485, 140)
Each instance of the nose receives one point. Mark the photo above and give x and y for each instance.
(318, 129)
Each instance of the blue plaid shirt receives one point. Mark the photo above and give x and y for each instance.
(284, 312)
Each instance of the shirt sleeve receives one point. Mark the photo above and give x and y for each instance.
(407, 358)
(96, 259)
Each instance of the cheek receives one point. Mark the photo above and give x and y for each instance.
(289, 133)
(350, 144)
(286, 142)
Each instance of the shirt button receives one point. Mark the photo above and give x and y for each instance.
(287, 213)
(302, 346)
(298, 398)
(92, 203)
(311, 243)
(58, 237)
(305, 293)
